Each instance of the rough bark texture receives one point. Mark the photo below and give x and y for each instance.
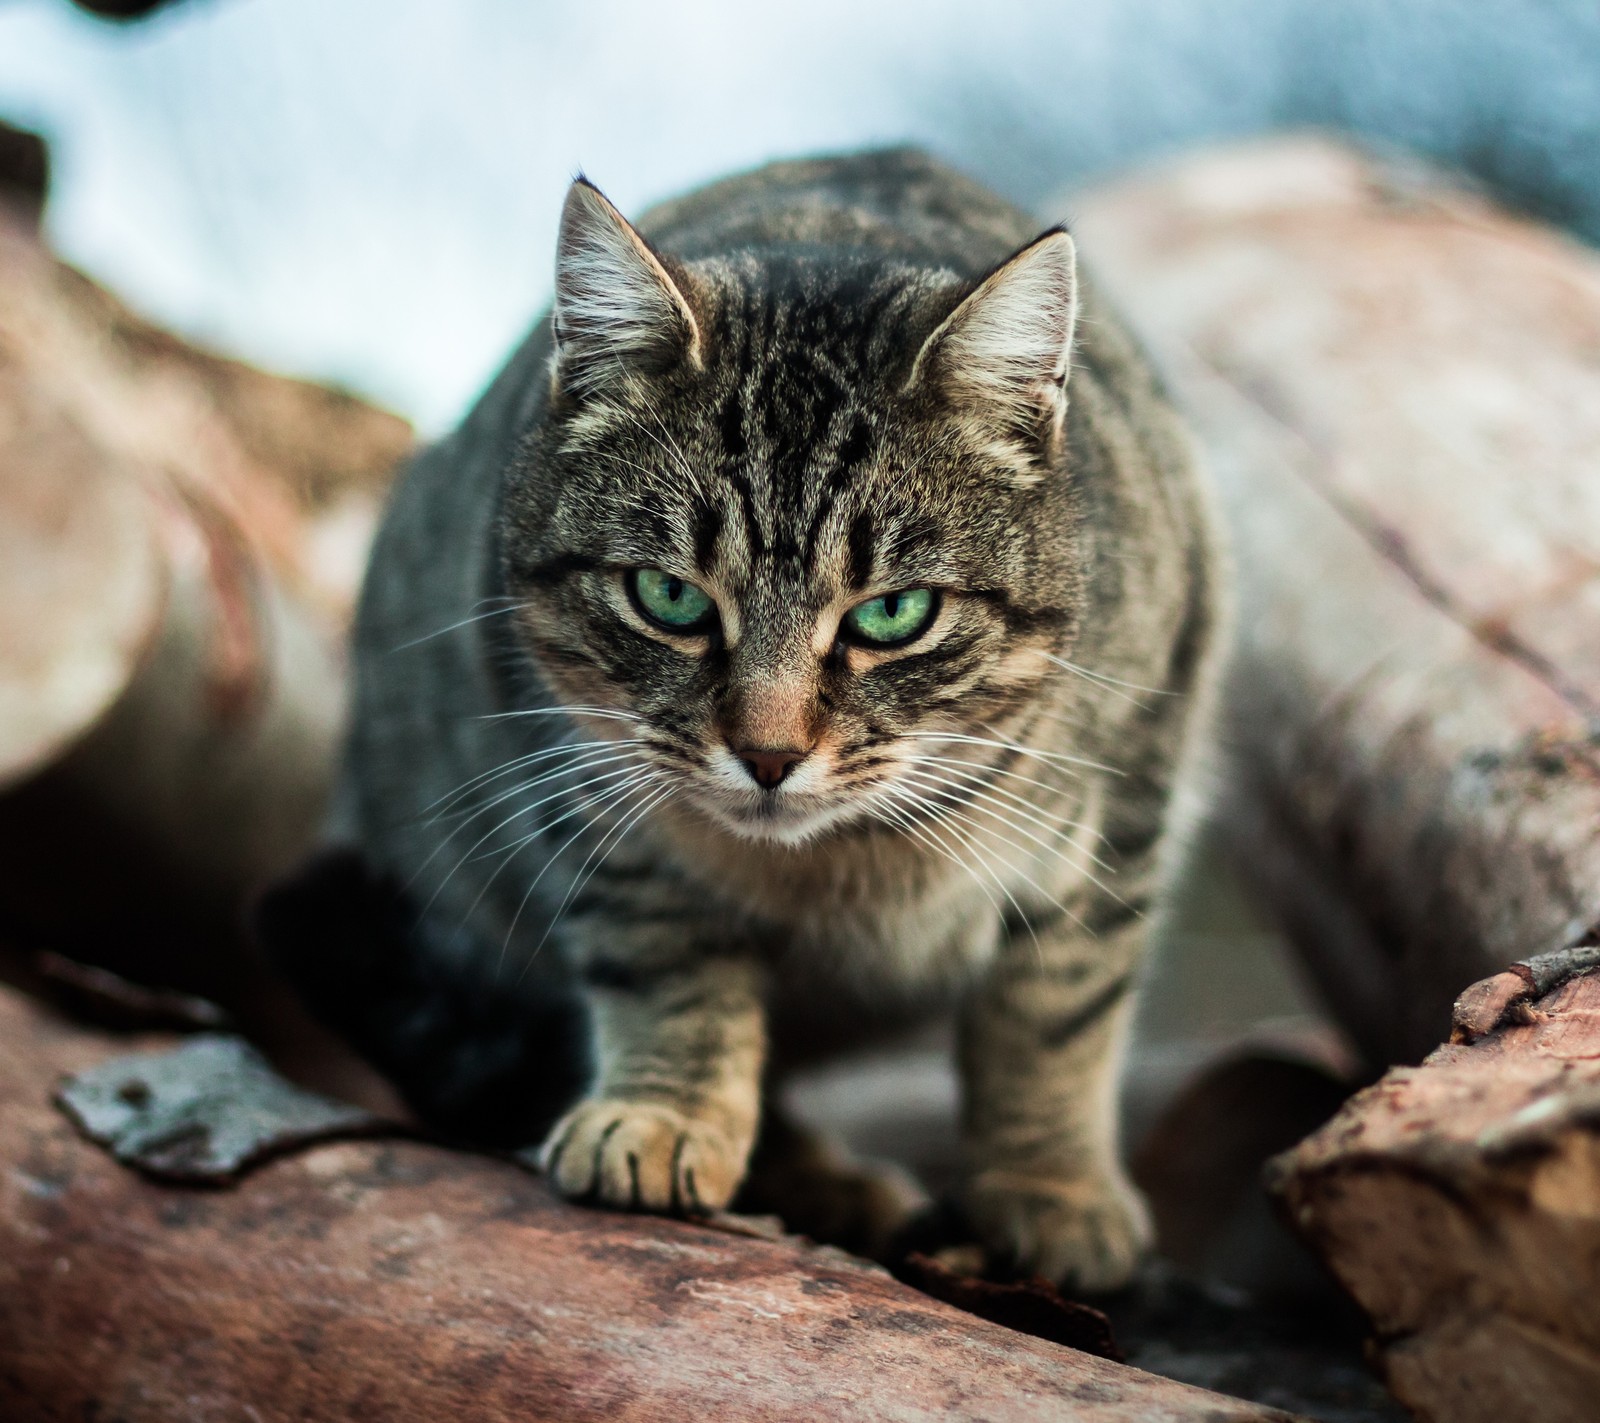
(1459, 1202)
(405, 1282)
(1398, 390)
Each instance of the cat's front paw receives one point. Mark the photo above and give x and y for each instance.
(642, 1156)
(1086, 1234)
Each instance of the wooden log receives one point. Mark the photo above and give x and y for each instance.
(1398, 390)
(1459, 1202)
(406, 1282)
(131, 461)
(180, 541)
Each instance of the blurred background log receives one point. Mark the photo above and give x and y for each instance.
(405, 1282)
(1398, 389)
(181, 537)
(1459, 1202)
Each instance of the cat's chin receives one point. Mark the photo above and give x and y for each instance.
(775, 820)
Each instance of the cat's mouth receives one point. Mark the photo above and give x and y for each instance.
(778, 819)
(780, 816)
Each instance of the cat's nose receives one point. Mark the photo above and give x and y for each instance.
(767, 768)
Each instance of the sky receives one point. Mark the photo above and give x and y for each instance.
(367, 190)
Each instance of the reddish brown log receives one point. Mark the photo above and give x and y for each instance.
(405, 1282)
(1459, 1202)
(1397, 388)
(180, 540)
(139, 476)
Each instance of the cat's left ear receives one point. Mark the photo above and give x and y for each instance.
(618, 310)
(1002, 357)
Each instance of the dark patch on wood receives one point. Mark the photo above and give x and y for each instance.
(1032, 1306)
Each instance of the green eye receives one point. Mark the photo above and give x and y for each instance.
(892, 619)
(669, 602)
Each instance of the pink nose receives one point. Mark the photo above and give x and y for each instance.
(767, 768)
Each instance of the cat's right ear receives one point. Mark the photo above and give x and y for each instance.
(619, 312)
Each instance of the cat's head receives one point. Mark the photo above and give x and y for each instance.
(797, 512)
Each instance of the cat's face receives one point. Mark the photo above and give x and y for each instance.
(799, 521)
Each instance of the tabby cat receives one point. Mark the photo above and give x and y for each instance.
(804, 636)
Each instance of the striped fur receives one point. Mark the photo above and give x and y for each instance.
(799, 389)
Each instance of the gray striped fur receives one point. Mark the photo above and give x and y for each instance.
(772, 416)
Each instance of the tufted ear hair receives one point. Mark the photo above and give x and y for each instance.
(618, 311)
(1002, 357)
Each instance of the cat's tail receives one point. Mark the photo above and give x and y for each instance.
(475, 1060)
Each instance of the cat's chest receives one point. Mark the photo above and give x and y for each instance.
(876, 926)
(913, 948)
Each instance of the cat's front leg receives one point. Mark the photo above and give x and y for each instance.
(668, 1123)
(1041, 1046)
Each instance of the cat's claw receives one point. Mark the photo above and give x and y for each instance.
(1084, 1235)
(642, 1156)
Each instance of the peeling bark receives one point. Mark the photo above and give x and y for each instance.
(1459, 1202)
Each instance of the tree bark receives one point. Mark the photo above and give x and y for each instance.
(406, 1282)
(1459, 1202)
(1398, 391)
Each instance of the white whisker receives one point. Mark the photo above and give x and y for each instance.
(1053, 757)
(603, 849)
(941, 813)
(978, 768)
(1108, 683)
(517, 763)
(587, 761)
(471, 853)
(897, 819)
(516, 606)
(604, 713)
(1055, 850)
(971, 795)
(598, 799)
(598, 780)
(608, 797)
(665, 439)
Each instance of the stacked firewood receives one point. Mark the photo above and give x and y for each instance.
(1398, 390)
